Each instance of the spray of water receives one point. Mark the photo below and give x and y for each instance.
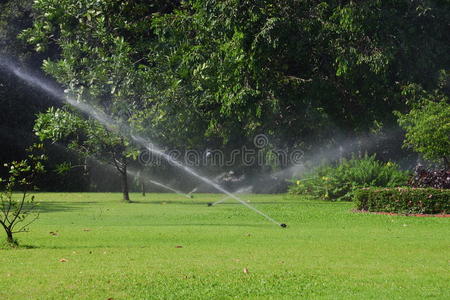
(169, 188)
(215, 180)
(240, 191)
(141, 141)
(124, 130)
(331, 153)
(193, 191)
(134, 174)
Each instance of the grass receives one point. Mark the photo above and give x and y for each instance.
(130, 251)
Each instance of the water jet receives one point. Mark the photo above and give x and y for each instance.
(123, 130)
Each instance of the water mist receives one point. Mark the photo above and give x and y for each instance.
(123, 130)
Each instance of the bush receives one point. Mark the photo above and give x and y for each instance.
(338, 182)
(423, 178)
(403, 200)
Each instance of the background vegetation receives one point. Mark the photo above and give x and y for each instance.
(212, 74)
(339, 181)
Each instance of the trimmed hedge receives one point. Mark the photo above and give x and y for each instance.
(403, 200)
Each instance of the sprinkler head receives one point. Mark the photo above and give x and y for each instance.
(209, 204)
(283, 225)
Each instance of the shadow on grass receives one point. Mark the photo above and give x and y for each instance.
(209, 224)
(48, 207)
(6, 246)
(205, 203)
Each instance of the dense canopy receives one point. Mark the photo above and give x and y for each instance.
(213, 74)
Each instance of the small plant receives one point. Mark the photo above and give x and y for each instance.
(338, 182)
(17, 206)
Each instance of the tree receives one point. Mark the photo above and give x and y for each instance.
(322, 68)
(218, 72)
(104, 49)
(428, 130)
(17, 210)
(88, 138)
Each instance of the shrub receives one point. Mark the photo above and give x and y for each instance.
(423, 178)
(338, 182)
(403, 200)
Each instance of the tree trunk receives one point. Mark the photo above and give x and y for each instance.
(446, 163)
(126, 196)
(9, 237)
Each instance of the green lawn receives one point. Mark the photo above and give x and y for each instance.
(129, 251)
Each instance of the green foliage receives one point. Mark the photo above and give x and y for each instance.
(104, 61)
(16, 210)
(338, 182)
(87, 137)
(403, 200)
(250, 66)
(219, 71)
(104, 49)
(428, 130)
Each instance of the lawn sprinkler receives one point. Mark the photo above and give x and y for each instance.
(283, 225)
(191, 193)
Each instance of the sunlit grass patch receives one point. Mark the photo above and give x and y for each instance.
(164, 246)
